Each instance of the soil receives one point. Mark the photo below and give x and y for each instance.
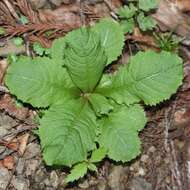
(164, 163)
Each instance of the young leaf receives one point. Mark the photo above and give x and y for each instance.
(120, 132)
(23, 19)
(112, 38)
(85, 58)
(67, 133)
(128, 25)
(150, 76)
(57, 50)
(78, 171)
(127, 11)
(145, 22)
(100, 104)
(18, 41)
(92, 167)
(39, 50)
(98, 155)
(147, 5)
(39, 81)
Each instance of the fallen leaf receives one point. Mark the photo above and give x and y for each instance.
(9, 162)
(169, 17)
(8, 105)
(23, 140)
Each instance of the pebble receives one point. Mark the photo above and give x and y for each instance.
(144, 158)
(84, 184)
(20, 183)
(4, 178)
(141, 172)
(115, 178)
(32, 150)
(152, 149)
(40, 176)
(134, 166)
(31, 167)
(54, 179)
(139, 183)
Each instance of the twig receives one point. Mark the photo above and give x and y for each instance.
(111, 8)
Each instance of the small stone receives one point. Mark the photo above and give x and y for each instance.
(20, 183)
(32, 150)
(144, 158)
(116, 176)
(168, 181)
(84, 184)
(179, 143)
(39, 176)
(141, 172)
(31, 167)
(139, 183)
(167, 160)
(54, 179)
(152, 149)
(47, 182)
(134, 166)
(4, 178)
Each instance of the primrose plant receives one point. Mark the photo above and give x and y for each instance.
(89, 114)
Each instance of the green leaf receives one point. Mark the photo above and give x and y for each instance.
(67, 133)
(92, 167)
(39, 81)
(127, 11)
(23, 19)
(39, 50)
(120, 132)
(150, 76)
(77, 172)
(112, 38)
(85, 59)
(100, 104)
(145, 22)
(128, 25)
(18, 41)
(98, 154)
(147, 5)
(57, 50)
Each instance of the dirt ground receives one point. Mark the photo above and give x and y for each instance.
(165, 160)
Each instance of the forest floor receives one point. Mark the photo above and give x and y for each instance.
(164, 163)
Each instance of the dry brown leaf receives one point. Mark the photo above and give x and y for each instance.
(183, 5)
(23, 140)
(9, 162)
(8, 105)
(169, 17)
